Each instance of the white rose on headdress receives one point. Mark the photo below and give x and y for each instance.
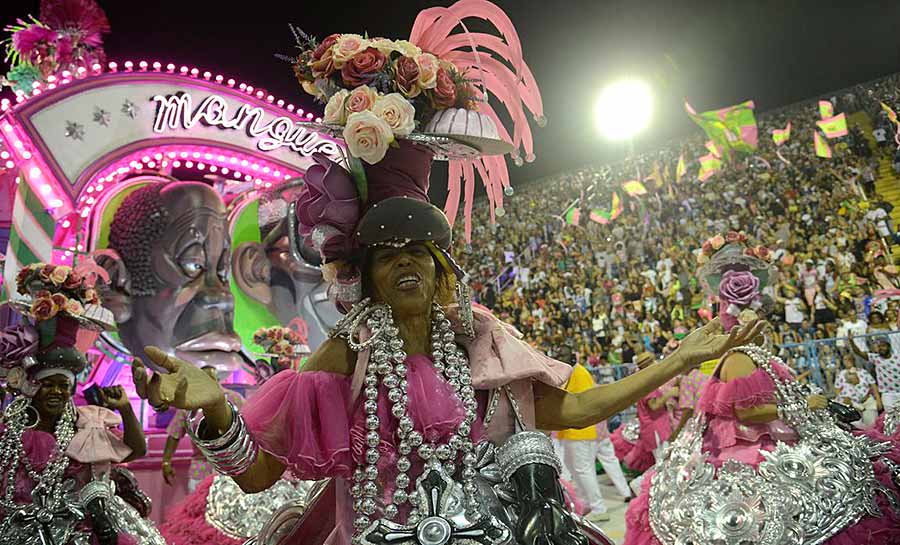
(397, 112)
(16, 378)
(367, 136)
(428, 69)
(336, 110)
(346, 46)
(407, 48)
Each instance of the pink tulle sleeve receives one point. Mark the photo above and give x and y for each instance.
(302, 420)
(722, 398)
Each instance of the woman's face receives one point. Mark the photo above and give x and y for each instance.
(404, 278)
(848, 361)
(53, 396)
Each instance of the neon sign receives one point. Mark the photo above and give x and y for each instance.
(177, 111)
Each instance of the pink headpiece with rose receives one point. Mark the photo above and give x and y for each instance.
(735, 274)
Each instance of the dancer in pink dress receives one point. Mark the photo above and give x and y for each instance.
(761, 437)
(655, 426)
(418, 404)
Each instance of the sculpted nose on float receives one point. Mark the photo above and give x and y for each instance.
(216, 299)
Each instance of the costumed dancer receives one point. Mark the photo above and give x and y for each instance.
(57, 459)
(415, 397)
(762, 462)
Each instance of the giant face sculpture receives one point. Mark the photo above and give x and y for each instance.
(169, 269)
(285, 279)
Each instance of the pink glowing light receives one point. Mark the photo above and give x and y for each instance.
(10, 164)
(26, 154)
(113, 67)
(219, 78)
(34, 173)
(143, 65)
(129, 65)
(170, 67)
(183, 69)
(157, 66)
(230, 83)
(207, 75)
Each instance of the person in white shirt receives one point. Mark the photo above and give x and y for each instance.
(852, 326)
(879, 217)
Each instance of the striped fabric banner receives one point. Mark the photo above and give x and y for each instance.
(30, 238)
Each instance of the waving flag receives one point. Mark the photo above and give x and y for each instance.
(604, 217)
(713, 148)
(890, 113)
(634, 188)
(680, 169)
(826, 110)
(709, 165)
(573, 216)
(834, 127)
(822, 148)
(732, 127)
(780, 136)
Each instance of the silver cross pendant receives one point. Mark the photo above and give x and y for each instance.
(443, 519)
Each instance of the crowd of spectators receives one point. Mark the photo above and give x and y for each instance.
(597, 294)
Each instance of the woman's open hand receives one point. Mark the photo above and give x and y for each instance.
(710, 343)
(185, 386)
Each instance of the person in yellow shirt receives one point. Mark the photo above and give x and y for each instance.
(580, 450)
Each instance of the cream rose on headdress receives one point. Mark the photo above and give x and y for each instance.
(361, 99)
(428, 70)
(407, 48)
(367, 136)
(346, 46)
(397, 112)
(336, 109)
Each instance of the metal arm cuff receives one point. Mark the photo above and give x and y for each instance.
(231, 454)
(524, 448)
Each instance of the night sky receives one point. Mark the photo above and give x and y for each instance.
(715, 53)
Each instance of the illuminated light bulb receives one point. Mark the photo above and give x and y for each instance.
(157, 66)
(242, 86)
(248, 178)
(245, 163)
(35, 84)
(267, 170)
(36, 92)
(18, 144)
(237, 174)
(45, 189)
(50, 79)
(201, 166)
(225, 170)
(176, 164)
(249, 89)
(219, 78)
(196, 155)
(268, 185)
(51, 86)
(66, 74)
(35, 172)
(65, 81)
(213, 168)
(85, 213)
(280, 103)
(171, 154)
(259, 94)
(81, 70)
(158, 156)
(221, 158)
(55, 203)
(151, 164)
(26, 154)
(90, 189)
(194, 72)
(96, 67)
(183, 155)
(255, 166)
(66, 224)
(230, 82)
(4, 155)
(145, 159)
(318, 120)
(129, 65)
(189, 164)
(10, 164)
(90, 200)
(277, 173)
(143, 65)
(170, 67)
(207, 75)
(183, 69)
(100, 186)
(7, 127)
(113, 66)
(309, 115)
(233, 160)
(80, 248)
(290, 107)
(207, 156)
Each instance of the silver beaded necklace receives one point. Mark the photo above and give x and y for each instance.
(48, 483)
(387, 367)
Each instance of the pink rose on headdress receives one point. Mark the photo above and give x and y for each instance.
(444, 93)
(739, 288)
(60, 274)
(361, 69)
(734, 236)
(361, 99)
(17, 342)
(763, 253)
(717, 242)
(406, 75)
(707, 248)
(74, 308)
(45, 272)
(325, 46)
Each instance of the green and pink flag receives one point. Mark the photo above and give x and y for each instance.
(822, 148)
(826, 109)
(732, 127)
(780, 136)
(834, 127)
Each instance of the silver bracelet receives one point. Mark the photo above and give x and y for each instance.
(524, 448)
(231, 454)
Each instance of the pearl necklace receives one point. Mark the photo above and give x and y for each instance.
(12, 454)
(387, 367)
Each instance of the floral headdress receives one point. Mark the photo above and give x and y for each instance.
(735, 273)
(284, 349)
(67, 36)
(63, 317)
(399, 104)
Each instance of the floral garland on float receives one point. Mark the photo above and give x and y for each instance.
(284, 349)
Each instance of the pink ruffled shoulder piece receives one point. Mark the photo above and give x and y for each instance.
(302, 420)
(499, 356)
(721, 398)
(96, 439)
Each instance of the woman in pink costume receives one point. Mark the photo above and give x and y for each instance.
(764, 441)
(655, 424)
(59, 456)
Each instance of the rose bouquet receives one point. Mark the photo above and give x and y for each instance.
(57, 289)
(284, 345)
(378, 89)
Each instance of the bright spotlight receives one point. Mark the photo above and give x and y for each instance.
(623, 109)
